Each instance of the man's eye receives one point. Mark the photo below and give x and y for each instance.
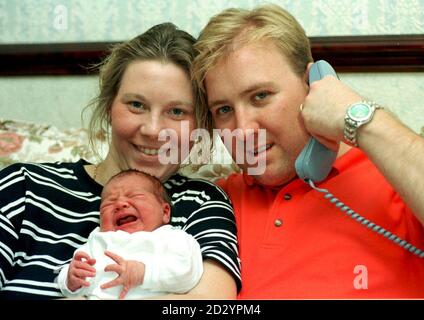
(177, 112)
(260, 96)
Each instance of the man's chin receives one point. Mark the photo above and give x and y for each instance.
(273, 179)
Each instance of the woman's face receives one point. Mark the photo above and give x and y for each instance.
(154, 96)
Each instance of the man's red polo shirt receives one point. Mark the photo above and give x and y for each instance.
(296, 244)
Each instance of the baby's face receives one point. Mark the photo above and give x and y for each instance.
(128, 204)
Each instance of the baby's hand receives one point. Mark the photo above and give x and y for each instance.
(81, 267)
(130, 273)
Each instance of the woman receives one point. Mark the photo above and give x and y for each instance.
(48, 210)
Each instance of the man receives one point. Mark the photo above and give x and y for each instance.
(294, 243)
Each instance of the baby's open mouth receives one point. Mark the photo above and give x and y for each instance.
(125, 220)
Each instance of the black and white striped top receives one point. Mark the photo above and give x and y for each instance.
(48, 210)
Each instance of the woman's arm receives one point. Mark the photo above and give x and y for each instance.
(203, 210)
(216, 283)
(12, 209)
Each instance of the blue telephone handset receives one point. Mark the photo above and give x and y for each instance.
(315, 161)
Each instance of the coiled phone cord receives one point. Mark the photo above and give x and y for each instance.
(367, 223)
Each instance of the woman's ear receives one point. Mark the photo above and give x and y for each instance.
(166, 208)
(109, 115)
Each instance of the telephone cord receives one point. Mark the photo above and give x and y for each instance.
(367, 223)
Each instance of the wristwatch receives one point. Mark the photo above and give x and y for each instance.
(358, 114)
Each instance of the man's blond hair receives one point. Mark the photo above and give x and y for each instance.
(233, 28)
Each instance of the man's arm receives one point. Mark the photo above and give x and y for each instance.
(395, 149)
(398, 153)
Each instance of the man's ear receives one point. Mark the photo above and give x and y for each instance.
(166, 208)
(306, 74)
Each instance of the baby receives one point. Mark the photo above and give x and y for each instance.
(135, 253)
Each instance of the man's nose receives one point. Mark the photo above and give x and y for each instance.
(246, 123)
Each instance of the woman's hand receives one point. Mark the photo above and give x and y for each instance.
(130, 273)
(80, 267)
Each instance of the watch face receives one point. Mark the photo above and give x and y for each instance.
(359, 111)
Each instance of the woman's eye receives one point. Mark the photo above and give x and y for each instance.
(136, 104)
(223, 110)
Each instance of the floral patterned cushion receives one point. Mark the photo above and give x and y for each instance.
(32, 142)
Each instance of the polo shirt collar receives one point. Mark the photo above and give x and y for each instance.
(250, 181)
(340, 164)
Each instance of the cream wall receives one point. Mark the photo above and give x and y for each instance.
(402, 93)
(59, 100)
(98, 20)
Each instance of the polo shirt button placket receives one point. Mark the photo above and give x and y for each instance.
(279, 222)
